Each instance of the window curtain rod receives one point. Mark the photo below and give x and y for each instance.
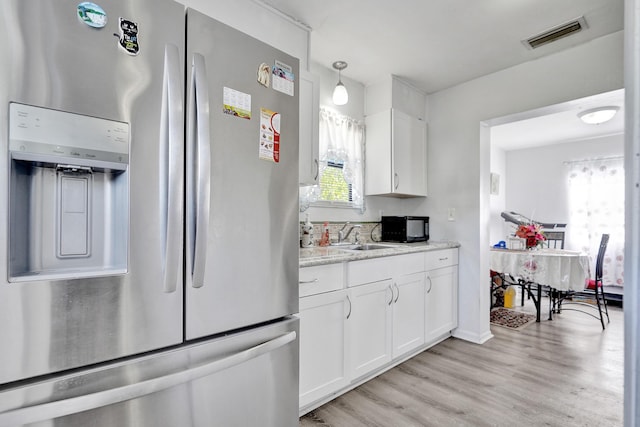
(593, 159)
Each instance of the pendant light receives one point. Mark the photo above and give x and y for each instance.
(596, 116)
(340, 95)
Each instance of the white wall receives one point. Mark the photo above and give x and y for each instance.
(541, 193)
(458, 165)
(497, 202)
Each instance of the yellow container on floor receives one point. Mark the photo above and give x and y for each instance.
(510, 297)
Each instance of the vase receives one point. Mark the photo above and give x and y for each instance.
(531, 242)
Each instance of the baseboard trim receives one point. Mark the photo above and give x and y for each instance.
(472, 336)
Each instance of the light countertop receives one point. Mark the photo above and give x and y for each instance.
(318, 255)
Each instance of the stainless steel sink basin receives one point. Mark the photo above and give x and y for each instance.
(367, 247)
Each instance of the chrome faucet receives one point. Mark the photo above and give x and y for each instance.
(341, 234)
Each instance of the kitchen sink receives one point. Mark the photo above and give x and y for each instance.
(367, 247)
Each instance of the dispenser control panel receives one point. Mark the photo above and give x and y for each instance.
(41, 131)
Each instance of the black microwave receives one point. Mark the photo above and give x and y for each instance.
(404, 229)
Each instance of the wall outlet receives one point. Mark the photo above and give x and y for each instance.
(451, 214)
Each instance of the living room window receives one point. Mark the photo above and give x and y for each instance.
(596, 205)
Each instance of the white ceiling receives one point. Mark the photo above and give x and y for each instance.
(436, 44)
(559, 124)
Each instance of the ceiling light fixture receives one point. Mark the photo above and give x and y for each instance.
(340, 95)
(596, 116)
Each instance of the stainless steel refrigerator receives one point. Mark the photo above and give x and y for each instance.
(148, 224)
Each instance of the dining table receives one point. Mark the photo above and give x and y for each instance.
(538, 268)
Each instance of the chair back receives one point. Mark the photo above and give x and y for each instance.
(554, 239)
(600, 259)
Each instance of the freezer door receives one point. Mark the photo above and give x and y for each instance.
(246, 379)
(242, 190)
(123, 65)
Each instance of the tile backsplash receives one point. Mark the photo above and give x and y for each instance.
(369, 231)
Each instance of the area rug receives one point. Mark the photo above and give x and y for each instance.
(510, 319)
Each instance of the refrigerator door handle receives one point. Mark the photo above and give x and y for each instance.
(171, 167)
(199, 187)
(60, 408)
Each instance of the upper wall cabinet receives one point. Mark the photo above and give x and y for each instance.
(397, 94)
(396, 143)
(309, 133)
(396, 155)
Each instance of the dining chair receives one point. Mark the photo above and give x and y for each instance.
(554, 239)
(591, 300)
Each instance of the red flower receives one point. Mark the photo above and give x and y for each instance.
(531, 232)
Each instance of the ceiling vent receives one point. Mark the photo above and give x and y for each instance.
(556, 33)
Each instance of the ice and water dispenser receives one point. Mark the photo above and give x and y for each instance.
(68, 195)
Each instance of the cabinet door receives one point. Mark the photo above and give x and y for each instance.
(323, 340)
(409, 163)
(309, 132)
(441, 313)
(370, 327)
(408, 313)
(378, 170)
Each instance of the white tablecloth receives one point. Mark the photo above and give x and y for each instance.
(560, 269)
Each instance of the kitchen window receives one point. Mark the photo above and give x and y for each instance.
(333, 186)
(341, 161)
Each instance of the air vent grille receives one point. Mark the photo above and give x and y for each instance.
(556, 33)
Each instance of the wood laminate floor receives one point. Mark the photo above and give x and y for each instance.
(564, 372)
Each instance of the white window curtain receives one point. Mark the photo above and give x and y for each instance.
(342, 141)
(596, 205)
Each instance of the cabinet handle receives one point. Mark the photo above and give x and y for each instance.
(391, 300)
(317, 169)
(430, 284)
(398, 294)
(443, 259)
(396, 180)
(349, 300)
(302, 282)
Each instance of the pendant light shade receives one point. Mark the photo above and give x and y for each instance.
(340, 94)
(596, 116)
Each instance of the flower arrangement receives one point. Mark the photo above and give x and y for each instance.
(532, 233)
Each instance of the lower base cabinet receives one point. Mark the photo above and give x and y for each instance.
(385, 310)
(323, 345)
(370, 327)
(441, 314)
(408, 313)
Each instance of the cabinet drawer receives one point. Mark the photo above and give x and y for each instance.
(377, 269)
(441, 258)
(321, 278)
(409, 264)
(369, 270)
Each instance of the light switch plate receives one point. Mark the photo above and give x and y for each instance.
(451, 214)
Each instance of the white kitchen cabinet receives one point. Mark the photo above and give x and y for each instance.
(309, 131)
(393, 92)
(361, 317)
(323, 345)
(370, 327)
(396, 155)
(320, 278)
(394, 286)
(408, 313)
(441, 302)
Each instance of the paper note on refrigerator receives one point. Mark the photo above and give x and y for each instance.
(269, 135)
(283, 78)
(236, 103)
